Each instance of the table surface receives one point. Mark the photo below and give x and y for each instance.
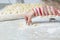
(10, 30)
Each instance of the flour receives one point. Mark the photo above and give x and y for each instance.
(23, 25)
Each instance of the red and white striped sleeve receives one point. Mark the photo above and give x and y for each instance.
(46, 11)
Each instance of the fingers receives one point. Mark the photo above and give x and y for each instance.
(28, 20)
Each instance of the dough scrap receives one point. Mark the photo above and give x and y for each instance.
(23, 25)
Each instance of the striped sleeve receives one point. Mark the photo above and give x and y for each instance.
(38, 11)
(56, 11)
(46, 11)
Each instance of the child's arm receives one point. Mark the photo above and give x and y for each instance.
(42, 11)
(28, 16)
(46, 11)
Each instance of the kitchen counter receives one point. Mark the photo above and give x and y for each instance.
(10, 30)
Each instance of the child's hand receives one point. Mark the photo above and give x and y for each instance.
(28, 17)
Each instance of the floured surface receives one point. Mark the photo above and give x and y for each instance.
(40, 31)
(17, 30)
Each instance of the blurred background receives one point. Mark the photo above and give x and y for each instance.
(3, 3)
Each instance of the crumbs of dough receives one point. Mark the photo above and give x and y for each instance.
(23, 25)
(36, 24)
